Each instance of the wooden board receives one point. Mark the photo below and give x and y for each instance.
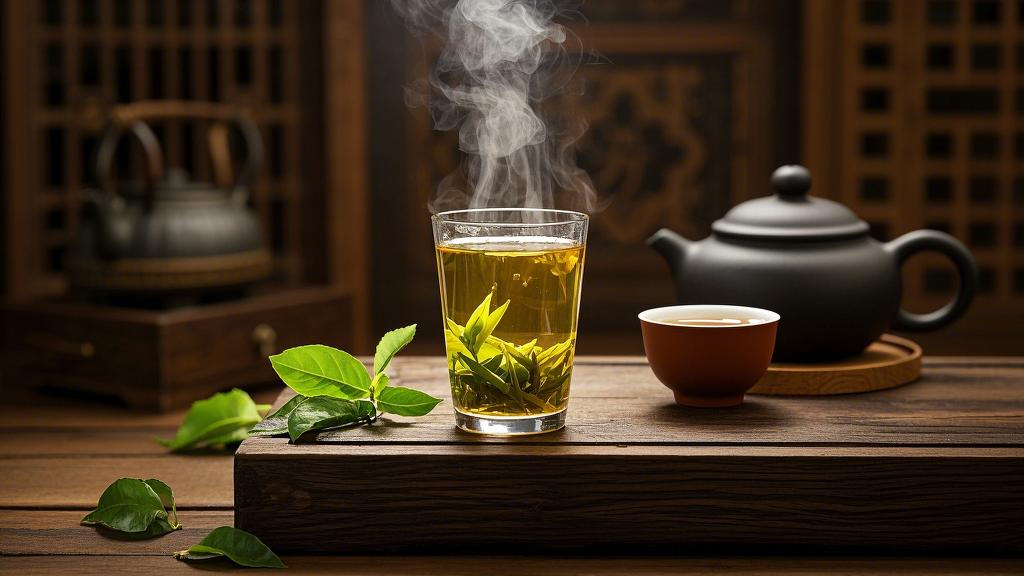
(936, 465)
(704, 565)
(890, 362)
(80, 445)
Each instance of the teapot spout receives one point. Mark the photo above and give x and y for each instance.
(672, 248)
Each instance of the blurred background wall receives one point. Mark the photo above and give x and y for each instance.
(909, 111)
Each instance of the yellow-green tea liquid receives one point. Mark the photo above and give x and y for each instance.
(539, 278)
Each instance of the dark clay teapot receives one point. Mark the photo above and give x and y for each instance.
(168, 235)
(810, 260)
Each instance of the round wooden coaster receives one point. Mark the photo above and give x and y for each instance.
(889, 362)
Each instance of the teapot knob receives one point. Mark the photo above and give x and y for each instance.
(791, 181)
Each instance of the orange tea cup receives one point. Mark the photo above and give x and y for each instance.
(709, 355)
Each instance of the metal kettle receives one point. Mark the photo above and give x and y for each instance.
(167, 235)
(812, 261)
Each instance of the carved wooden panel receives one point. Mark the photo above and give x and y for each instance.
(67, 61)
(915, 119)
(681, 127)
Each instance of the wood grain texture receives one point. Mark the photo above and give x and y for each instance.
(518, 565)
(53, 444)
(32, 411)
(939, 463)
(616, 400)
(161, 360)
(34, 533)
(890, 362)
(63, 482)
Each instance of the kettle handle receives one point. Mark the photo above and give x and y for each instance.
(154, 164)
(912, 243)
(222, 115)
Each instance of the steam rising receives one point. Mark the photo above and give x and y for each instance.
(502, 59)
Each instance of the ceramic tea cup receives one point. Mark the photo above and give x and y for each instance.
(709, 355)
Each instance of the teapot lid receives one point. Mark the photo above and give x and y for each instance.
(791, 214)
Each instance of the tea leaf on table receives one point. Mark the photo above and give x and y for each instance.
(380, 382)
(406, 401)
(390, 344)
(212, 421)
(319, 370)
(322, 412)
(130, 505)
(335, 390)
(158, 528)
(239, 546)
(166, 499)
(277, 423)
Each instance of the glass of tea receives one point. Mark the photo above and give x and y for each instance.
(510, 295)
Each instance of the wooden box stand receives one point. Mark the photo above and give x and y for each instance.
(934, 464)
(159, 360)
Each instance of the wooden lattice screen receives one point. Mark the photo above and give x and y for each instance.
(914, 116)
(67, 61)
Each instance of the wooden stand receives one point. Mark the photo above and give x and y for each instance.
(158, 360)
(937, 465)
(890, 362)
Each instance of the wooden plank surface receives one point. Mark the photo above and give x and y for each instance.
(518, 566)
(937, 463)
(619, 400)
(57, 453)
(62, 482)
(58, 533)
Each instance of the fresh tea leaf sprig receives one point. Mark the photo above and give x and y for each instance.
(136, 507)
(236, 545)
(492, 373)
(222, 419)
(334, 389)
(141, 509)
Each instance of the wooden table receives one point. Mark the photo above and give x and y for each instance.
(59, 454)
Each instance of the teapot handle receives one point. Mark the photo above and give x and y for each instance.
(221, 115)
(154, 164)
(911, 243)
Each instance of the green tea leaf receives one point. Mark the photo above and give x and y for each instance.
(380, 382)
(323, 412)
(239, 546)
(481, 311)
(319, 370)
(490, 323)
(453, 327)
(209, 421)
(406, 401)
(390, 344)
(475, 324)
(552, 357)
(127, 505)
(277, 423)
(158, 528)
(482, 372)
(552, 384)
(527, 348)
(453, 343)
(166, 499)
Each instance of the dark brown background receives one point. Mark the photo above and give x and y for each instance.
(909, 111)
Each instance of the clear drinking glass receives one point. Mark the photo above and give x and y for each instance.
(510, 295)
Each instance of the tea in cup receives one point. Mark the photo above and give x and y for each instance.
(709, 355)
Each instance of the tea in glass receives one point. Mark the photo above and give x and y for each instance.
(510, 292)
